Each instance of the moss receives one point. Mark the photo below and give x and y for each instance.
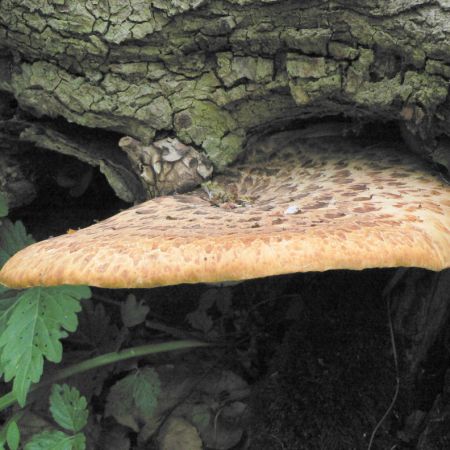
(305, 66)
(77, 23)
(438, 68)
(130, 66)
(358, 71)
(427, 90)
(180, 6)
(342, 51)
(299, 94)
(35, 22)
(359, 28)
(264, 111)
(189, 67)
(324, 87)
(219, 26)
(135, 105)
(381, 94)
(131, 20)
(234, 68)
(201, 119)
(304, 91)
(134, 53)
(224, 97)
(214, 129)
(415, 56)
(309, 41)
(133, 70)
(255, 42)
(312, 78)
(223, 152)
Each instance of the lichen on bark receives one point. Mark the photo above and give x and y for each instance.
(213, 72)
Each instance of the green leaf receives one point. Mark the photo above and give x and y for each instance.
(13, 435)
(138, 391)
(13, 237)
(8, 298)
(68, 407)
(56, 440)
(39, 319)
(3, 431)
(3, 206)
(133, 312)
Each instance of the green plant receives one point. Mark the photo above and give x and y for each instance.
(33, 323)
(69, 410)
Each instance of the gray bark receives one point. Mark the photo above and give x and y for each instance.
(212, 73)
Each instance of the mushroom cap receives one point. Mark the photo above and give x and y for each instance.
(313, 205)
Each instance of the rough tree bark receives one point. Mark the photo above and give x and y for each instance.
(77, 75)
(212, 73)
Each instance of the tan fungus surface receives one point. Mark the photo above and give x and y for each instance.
(313, 205)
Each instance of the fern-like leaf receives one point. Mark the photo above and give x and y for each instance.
(13, 237)
(68, 407)
(56, 440)
(8, 298)
(38, 320)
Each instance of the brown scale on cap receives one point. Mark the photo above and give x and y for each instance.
(314, 205)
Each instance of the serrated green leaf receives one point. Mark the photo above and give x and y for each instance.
(138, 391)
(56, 440)
(8, 298)
(3, 206)
(68, 407)
(13, 436)
(79, 442)
(39, 319)
(13, 237)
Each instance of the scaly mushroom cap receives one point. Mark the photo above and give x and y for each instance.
(315, 205)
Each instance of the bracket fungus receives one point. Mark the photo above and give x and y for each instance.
(309, 205)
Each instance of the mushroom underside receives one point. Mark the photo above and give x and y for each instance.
(310, 205)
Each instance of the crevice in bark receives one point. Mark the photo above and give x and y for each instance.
(69, 194)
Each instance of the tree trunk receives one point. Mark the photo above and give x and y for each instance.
(213, 73)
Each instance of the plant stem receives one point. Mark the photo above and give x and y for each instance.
(103, 360)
